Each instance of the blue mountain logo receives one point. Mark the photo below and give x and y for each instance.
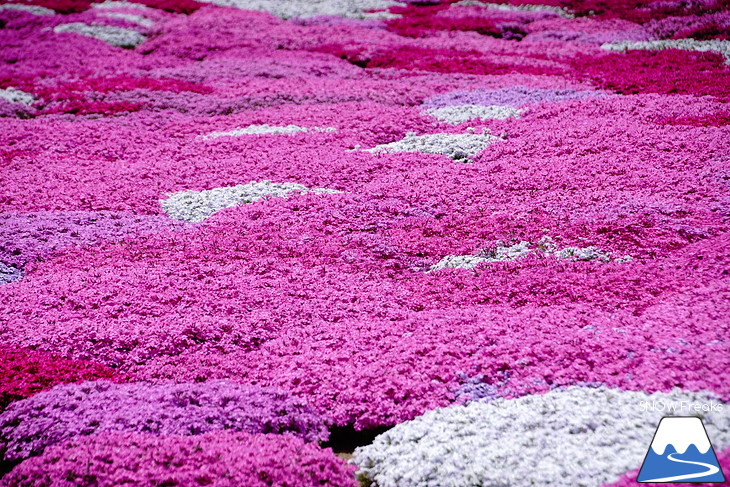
(680, 452)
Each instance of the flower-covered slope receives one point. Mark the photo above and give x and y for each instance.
(375, 208)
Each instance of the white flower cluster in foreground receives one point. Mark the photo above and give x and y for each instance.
(455, 115)
(546, 247)
(196, 206)
(723, 47)
(31, 9)
(459, 147)
(357, 9)
(516, 8)
(16, 96)
(572, 437)
(115, 36)
(266, 129)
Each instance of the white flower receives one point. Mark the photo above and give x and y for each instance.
(115, 36)
(721, 46)
(266, 129)
(460, 147)
(196, 206)
(576, 436)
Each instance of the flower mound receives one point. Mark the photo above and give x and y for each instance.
(28, 427)
(562, 438)
(219, 459)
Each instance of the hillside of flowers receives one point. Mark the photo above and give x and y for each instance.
(360, 242)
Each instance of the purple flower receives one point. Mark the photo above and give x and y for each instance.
(29, 426)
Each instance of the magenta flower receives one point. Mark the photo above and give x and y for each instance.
(215, 459)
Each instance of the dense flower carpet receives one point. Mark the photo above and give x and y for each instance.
(342, 242)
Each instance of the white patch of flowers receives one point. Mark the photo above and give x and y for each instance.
(548, 247)
(31, 9)
(119, 4)
(577, 436)
(584, 253)
(455, 115)
(516, 8)
(115, 36)
(196, 206)
(266, 130)
(356, 9)
(16, 96)
(499, 254)
(9, 274)
(545, 247)
(460, 147)
(135, 19)
(723, 47)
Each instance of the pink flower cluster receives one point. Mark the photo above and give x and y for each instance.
(217, 459)
(352, 321)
